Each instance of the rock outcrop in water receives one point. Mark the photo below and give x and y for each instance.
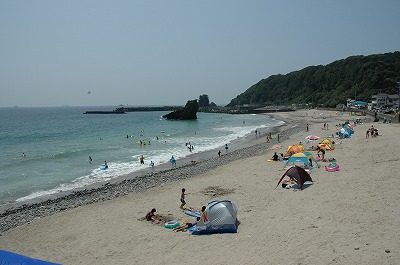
(189, 112)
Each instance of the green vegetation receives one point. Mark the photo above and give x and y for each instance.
(329, 85)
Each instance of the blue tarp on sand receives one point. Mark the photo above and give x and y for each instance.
(9, 258)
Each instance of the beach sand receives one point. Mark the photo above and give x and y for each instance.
(345, 217)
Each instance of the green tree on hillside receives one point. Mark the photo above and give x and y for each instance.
(356, 77)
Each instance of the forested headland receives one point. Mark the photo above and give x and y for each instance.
(356, 77)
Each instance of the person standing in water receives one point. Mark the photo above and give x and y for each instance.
(90, 160)
(173, 161)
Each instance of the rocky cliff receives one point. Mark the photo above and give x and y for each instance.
(189, 112)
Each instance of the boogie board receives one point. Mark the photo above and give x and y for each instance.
(191, 213)
(103, 167)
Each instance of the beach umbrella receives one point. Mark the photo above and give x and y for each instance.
(276, 146)
(312, 138)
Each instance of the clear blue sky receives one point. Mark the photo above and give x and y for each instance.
(165, 52)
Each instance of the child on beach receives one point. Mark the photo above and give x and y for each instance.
(322, 151)
(150, 216)
(183, 202)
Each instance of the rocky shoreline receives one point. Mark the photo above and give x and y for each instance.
(24, 214)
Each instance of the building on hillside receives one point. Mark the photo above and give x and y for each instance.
(385, 101)
(356, 104)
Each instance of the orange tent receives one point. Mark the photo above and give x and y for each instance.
(293, 149)
(326, 147)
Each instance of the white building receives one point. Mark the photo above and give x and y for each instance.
(381, 101)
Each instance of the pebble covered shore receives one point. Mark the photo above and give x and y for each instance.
(14, 217)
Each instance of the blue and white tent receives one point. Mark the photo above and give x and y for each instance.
(219, 217)
(9, 258)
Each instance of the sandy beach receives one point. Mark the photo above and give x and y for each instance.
(346, 217)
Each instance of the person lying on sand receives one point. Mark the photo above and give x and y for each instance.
(183, 227)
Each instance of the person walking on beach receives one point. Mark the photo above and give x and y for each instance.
(183, 195)
(256, 133)
(278, 138)
(307, 127)
(219, 153)
(226, 148)
(141, 160)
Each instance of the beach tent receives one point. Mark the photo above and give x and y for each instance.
(326, 146)
(327, 141)
(348, 128)
(293, 149)
(298, 174)
(343, 133)
(219, 217)
(302, 160)
(9, 258)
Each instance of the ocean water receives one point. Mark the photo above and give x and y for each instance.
(58, 142)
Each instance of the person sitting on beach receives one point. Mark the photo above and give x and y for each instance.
(150, 216)
(322, 151)
(203, 209)
(275, 157)
(183, 227)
